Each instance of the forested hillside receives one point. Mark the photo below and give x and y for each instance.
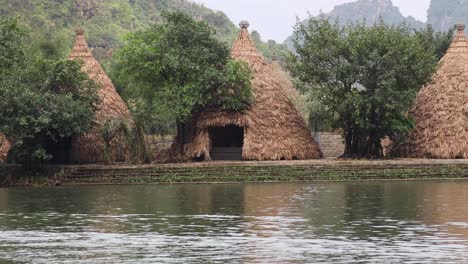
(107, 21)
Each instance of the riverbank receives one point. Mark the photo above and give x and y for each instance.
(224, 172)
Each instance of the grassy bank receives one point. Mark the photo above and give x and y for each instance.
(15, 176)
(221, 172)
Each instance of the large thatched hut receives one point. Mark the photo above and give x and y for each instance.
(272, 129)
(4, 148)
(89, 148)
(441, 108)
(299, 101)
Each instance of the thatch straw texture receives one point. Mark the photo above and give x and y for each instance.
(88, 148)
(441, 108)
(4, 148)
(299, 100)
(273, 128)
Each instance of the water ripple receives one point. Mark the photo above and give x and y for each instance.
(282, 223)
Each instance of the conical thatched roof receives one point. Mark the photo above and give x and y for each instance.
(441, 108)
(273, 128)
(299, 101)
(89, 147)
(4, 148)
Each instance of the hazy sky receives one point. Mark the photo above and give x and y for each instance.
(274, 19)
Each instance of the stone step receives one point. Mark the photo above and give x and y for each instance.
(226, 154)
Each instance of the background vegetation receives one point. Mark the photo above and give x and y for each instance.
(107, 21)
(367, 77)
(34, 70)
(45, 99)
(178, 69)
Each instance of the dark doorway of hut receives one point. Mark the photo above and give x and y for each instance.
(59, 150)
(227, 142)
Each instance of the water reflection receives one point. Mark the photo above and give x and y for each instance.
(447, 206)
(421, 222)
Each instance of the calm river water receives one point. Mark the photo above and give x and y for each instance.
(384, 222)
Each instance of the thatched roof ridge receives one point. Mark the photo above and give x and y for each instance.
(88, 147)
(112, 105)
(4, 148)
(441, 108)
(244, 48)
(459, 43)
(274, 130)
(80, 49)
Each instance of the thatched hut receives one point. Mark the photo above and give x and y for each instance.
(4, 148)
(89, 147)
(441, 108)
(299, 101)
(272, 129)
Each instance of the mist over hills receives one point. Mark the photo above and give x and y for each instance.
(371, 11)
(442, 14)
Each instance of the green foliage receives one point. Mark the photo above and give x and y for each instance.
(12, 53)
(233, 92)
(108, 21)
(50, 46)
(135, 131)
(368, 76)
(438, 42)
(321, 118)
(270, 49)
(43, 101)
(179, 67)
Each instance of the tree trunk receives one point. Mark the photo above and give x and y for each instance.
(360, 145)
(180, 138)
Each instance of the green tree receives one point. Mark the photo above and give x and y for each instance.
(181, 68)
(44, 102)
(368, 76)
(438, 42)
(12, 52)
(270, 49)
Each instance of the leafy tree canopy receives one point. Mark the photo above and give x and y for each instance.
(43, 101)
(438, 42)
(368, 76)
(179, 67)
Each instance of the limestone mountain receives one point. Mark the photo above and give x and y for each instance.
(371, 11)
(443, 14)
(368, 11)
